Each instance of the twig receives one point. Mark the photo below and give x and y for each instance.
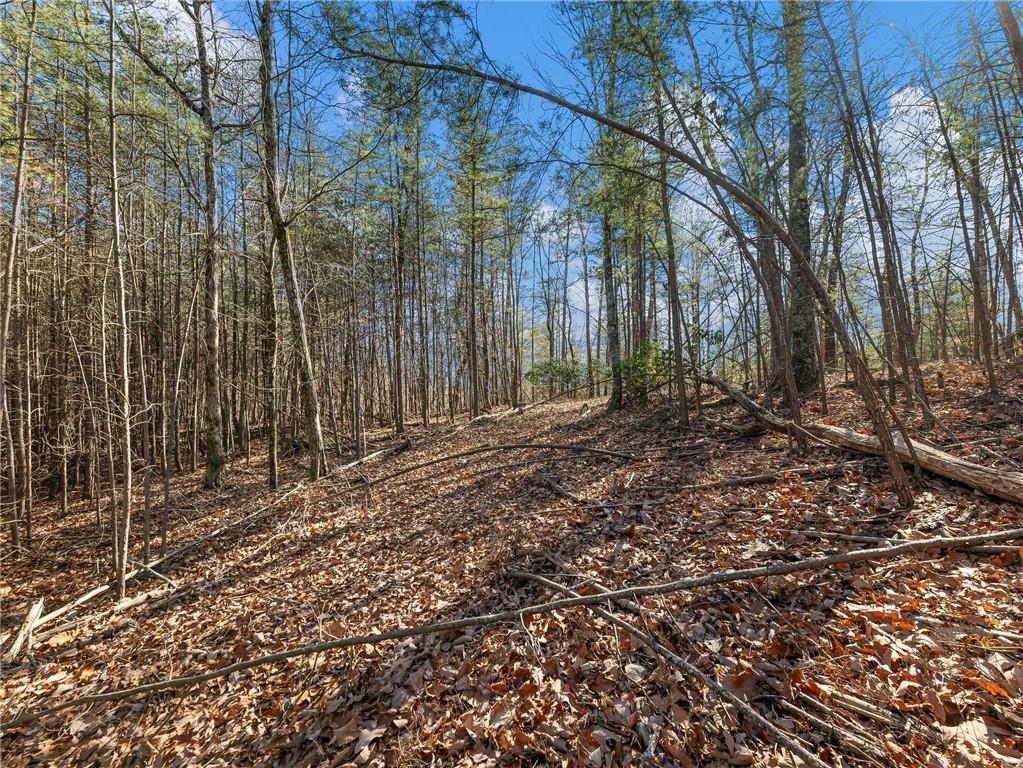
(856, 742)
(750, 714)
(152, 572)
(488, 449)
(629, 605)
(990, 549)
(965, 629)
(767, 477)
(866, 709)
(562, 491)
(718, 577)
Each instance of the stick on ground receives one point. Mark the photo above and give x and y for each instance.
(489, 449)
(776, 734)
(515, 615)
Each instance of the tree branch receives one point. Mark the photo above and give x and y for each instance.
(515, 615)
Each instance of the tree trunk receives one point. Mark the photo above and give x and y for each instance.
(802, 345)
(121, 557)
(1012, 35)
(282, 238)
(614, 352)
(214, 476)
(671, 259)
(17, 200)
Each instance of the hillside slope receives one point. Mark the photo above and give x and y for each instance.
(917, 660)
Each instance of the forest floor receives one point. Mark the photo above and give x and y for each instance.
(919, 658)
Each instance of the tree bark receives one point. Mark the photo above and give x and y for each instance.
(214, 438)
(121, 556)
(614, 351)
(671, 260)
(802, 343)
(17, 201)
(282, 237)
(1012, 35)
(995, 482)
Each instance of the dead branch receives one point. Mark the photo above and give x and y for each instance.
(767, 477)
(118, 607)
(566, 568)
(990, 549)
(25, 633)
(957, 627)
(777, 734)
(562, 491)
(489, 449)
(370, 456)
(840, 734)
(515, 615)
(857, 743)
(995, 482)
(866, 709)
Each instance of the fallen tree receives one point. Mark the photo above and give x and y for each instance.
(994, 482)
(516, 614)
(38, 622)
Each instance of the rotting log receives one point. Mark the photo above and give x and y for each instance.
(994, 482)
(1000, 483)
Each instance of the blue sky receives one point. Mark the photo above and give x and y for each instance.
(519, 33)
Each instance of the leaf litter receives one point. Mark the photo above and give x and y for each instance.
(913, 661)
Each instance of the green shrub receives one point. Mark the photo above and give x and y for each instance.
(646, 368)
(556, 373)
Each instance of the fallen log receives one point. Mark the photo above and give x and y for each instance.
(994, 482)
(148, 568)
(830, 470)
(516, 614)
(370, 457)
